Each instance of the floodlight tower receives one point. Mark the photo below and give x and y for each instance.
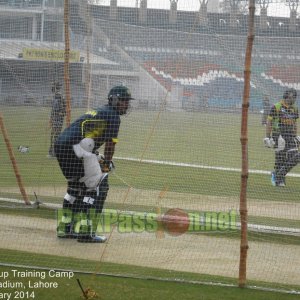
(203, 12)
(143, 12)
(264, 4)
(213, 6)
(293, 5)
(234, 9)
(173, 12)
(237, 7)
(113, 11)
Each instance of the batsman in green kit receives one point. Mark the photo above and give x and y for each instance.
(281, 134)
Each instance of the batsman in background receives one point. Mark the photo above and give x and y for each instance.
(57, 116)
(76, 152)
(281, 134)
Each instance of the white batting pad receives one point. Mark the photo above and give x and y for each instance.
(92, 171)
(84, 148)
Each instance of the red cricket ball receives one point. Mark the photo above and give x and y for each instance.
(175, 221)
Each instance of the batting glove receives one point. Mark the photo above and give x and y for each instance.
(269, 142)
(106, 165)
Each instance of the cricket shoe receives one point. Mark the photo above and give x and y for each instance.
(66, 235)
(280, 182)
(65, 231)
(63, 235)
(92, 239)
(273, 179)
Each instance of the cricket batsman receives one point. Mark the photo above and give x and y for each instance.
(86, 172)
(281, 134)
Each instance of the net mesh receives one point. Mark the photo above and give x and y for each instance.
(173, 203)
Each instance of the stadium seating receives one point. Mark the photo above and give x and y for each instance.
(201, 63)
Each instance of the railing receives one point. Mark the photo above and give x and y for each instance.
(27, 4)
(21, 3)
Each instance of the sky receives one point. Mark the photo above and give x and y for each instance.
(274, 9)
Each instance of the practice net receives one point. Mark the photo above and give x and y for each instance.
(172, 210)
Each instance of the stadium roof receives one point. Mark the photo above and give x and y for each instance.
(13, 49)
(187, 21)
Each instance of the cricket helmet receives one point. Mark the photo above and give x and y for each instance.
(290, 95)
(56, 86)
(119, 94)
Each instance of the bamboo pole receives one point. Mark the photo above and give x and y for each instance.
(244, 143)
(67, 63)
(88, 66)
(160, 230)
(13, 161)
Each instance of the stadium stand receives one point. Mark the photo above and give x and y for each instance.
(162, 58)
(119, 50)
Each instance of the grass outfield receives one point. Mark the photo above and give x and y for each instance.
(209, 139)
(110, 288)
(114, 284)
(156, 177)
(201, 138)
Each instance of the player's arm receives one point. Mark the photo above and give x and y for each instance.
(269, 127)
(268, 140)
(112, 132)
(109, 150)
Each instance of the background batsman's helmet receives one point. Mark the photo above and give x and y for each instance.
(119, 93)
(290, 92)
